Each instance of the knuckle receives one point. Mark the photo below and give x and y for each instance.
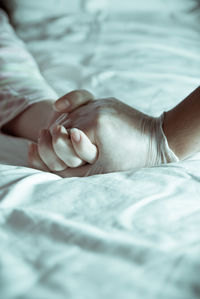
(102, 119)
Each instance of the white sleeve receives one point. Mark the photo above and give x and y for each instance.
(21, 82)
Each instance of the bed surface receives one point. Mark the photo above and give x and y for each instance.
(120, 235)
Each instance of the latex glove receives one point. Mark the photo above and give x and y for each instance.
(125, 137)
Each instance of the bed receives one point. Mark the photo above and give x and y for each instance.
(121, 235)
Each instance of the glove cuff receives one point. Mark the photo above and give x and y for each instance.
(168, 156)
(159, 150)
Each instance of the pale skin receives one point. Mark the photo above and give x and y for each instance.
(92, 150)
(31, 124)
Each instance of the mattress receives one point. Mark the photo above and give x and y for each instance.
(121, 235)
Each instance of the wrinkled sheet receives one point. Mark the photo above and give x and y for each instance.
(120, 235)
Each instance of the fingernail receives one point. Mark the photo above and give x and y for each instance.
(63, 130)
(75, 134)
(62, 104)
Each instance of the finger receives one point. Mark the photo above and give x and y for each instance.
(73, 100)
(63, 118)
(34, 159)
(47, 154)
(83, 146)
(82, 171)
(64, 149)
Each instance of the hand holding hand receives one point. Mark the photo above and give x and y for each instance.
(125, 138)
(56, 154)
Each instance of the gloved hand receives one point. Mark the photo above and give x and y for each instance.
(125, 137)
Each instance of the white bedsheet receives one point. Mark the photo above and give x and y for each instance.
(122, 235)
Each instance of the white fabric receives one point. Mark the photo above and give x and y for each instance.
(21, 83)
(159, 151)
(121, 235)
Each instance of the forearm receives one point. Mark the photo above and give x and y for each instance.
(21, 86)
(182, 126)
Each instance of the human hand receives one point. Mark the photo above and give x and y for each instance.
(125, 137)
(56, 154)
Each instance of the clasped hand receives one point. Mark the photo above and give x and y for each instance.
(97, 136)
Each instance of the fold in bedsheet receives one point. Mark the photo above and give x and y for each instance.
(132, 235)
(121, 235)
(145, 55)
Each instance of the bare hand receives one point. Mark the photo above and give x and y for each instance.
(59, 154)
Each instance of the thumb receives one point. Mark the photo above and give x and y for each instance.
(73, 100)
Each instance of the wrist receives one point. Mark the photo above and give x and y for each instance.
(182, 126)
